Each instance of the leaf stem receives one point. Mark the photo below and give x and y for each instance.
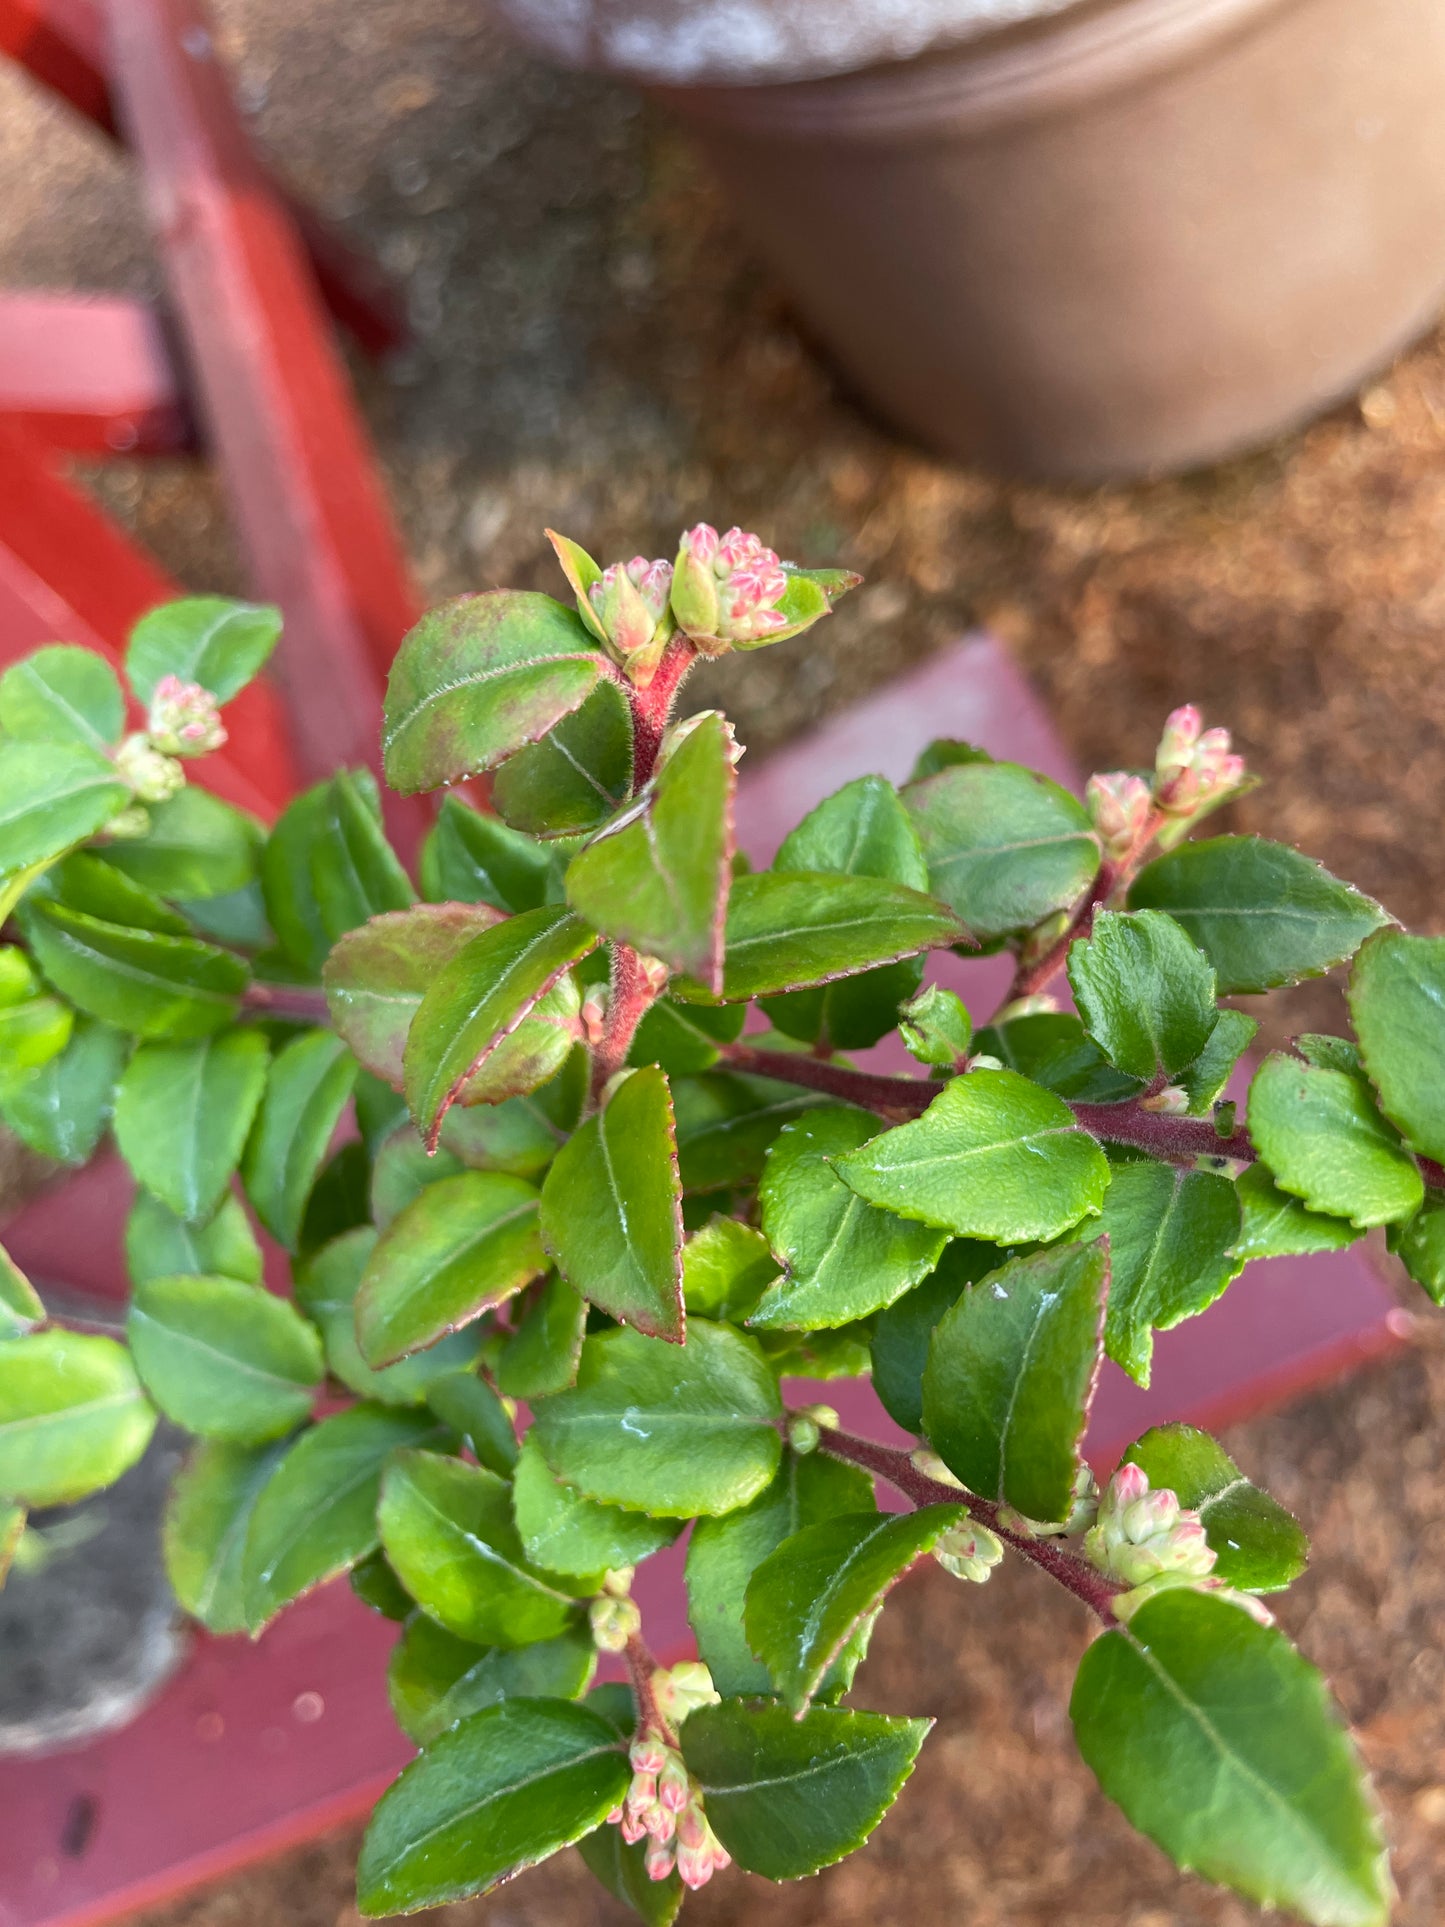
(632, 992)
(890, 1097)
(287, 1000)
(641, 1665)
(652, 707)
(1076, 1575)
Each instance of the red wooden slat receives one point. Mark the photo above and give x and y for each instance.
(90, 374)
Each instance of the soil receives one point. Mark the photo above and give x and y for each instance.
(596, 349)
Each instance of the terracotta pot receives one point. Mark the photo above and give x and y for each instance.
(1131, 235)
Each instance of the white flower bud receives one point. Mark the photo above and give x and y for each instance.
(154, 777)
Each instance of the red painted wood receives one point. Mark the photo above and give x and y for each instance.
(175, 1806)
(308, 502)
(91, 375)
(63, 43)
(68, 574)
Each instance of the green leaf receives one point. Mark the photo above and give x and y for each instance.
(1144, 991)
(1052, 1048)
(944, 752)
(724, 1553)
(447, 1529)
(1397, 1007)
(436, 1679)
(286, 881)
(62, 1109)
(183, 1113)
(1005, 847)
(726, 1268)
(1260, 1547)
(787, 1796)
(474, 1018)
(61, 694)
(307, 1088)
(622, 1869)
(377, 1586)
(1325, 1142)
(461, 1248)
(610, 1208)
(32, 1035)
(326, 1287)
(563, 1532)
(1173, 1237)
(140, 981)
(1204, 1080)
(355, 873)
(544, 1350)
(158, 1244)
(471, 858)
(576, 776)
(726, 1122)
(993, 1156)
(197, 848)
(212, 640)
(936, 1028)
(843, 1258)
(478, 678)
(1330, 1053)
(787, 931)
(1263, 914)
(840, 1353)
(208, 1514)
(20, 1308)
(316, 1515)
(1194, 1695)
(52, 795)
(521, 1135)
(684, 1038)
(474, 1412)
(340, 1198)
(72, 1416)
(223, 1359)
(1419, 1244)
(403, 1169)
(679, 1431)
(1011, 1374)
(84, 882)
(657, 877)
(491, 1797)
(807, 1599)
(901, 1334)
(1275, 1225)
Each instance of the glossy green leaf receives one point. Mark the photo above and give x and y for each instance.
(52, 795)
(1275, 1225)
(61, 694)
(20, 1308)
(72, 1416)
(724, 1553)
(138, 980)
(183, 1113)
(1005, 847)
(726, 1268)
(901, 1334)
(62, 1109)
(32, 1034)
(993, 1156)
(472, 858)
(1052, 1048)
(576, 776)
(1192, 1696)
(461, 1248)
(1204, 1080)
(679, 1431)
(545, 1347)
(1144, 991)
(1011, 1374)
(355, 873)
(466, 1402)
(84, 882)
(403, 1169)
(1419, 1244)
(377, 1586)
(787, 1796)
(340, 1198)
(327, 1283)
(495, 1794)
(210, 640)
(436, 1679)
(727, 1121)
(843, 1258)
(208, 1514)
(473, 1019)
(1331, 1053)
(658, 876)
(197, 848)
(1259, 1546)
(1173, 1237)
(936, 1028)
(1326, 1143)
(944, 752)
(563, 1532)
(307, 1088)
(447, 1529)
(610, 1208)
(286, 885)
(840, 1353)
(806, 1600)
(1263, 914)
(787, 931)
(521, 1135)
(622, 1869)
(478, 678)
(225, 1360)
(316, 1515)
(158, 1244)
(1397, 1007)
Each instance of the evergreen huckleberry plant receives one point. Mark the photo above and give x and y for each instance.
(509, 1115)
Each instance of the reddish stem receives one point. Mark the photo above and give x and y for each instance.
(890, 1097)
(631, 995)
(287, 1000)
(1076, 1575)
(652, 707)
(641, 1665)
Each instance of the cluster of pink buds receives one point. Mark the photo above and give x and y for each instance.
(184, 720)
(1194, 765)
(1151, 1542)
(630, 602)
(1120, 806)
(664, 1807)
(727, 589)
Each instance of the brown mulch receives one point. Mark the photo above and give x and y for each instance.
(596, 349)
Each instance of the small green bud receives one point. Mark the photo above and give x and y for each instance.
(614, 1621)
(936, 1028)
(154, 777)
(969, 1551)
(807, 1424)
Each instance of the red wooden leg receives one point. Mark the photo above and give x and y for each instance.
(90, 374)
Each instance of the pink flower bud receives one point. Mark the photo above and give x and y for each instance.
(658, 1861)
(660, 1822)
(1119, 806)
(184, 718)
(614, 1819)
(632, 1828)
(1128, 1484)
(1193, 766)
(673, 1785)
(1181, 733)
(649, 1754)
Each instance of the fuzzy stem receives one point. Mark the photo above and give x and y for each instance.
(641, 1665)
(652, 707)
(1076, 1575)
(287, 1000)
(892, 1097)
(632, 993)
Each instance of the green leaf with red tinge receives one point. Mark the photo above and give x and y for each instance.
(577, 776)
